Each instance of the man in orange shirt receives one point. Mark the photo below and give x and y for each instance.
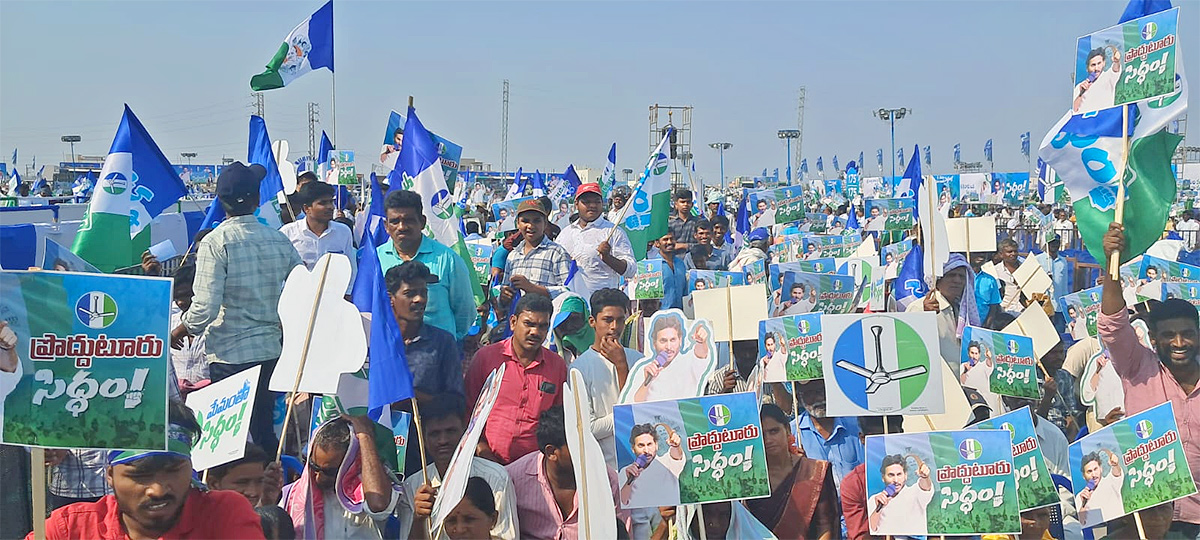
(154, 497)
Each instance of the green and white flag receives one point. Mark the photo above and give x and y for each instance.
(646, 219)
(1086, 151)
(307, 48)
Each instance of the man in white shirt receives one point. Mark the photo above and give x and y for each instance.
(317, 234)
(1064, 228)
(605, 365)
(1099, 89)
(671, 373)
(652, 480)
(601, 250)
(1100, 500)
(620, 196)
(1189, 229)
(900, 509)
(444, 427)
(977, 374)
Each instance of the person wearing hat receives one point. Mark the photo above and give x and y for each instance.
(714, 205)
(240, 270)
(154, 496)
(1060, 274)
(620, 196)
(600, 249)
(536, 264)
(758, 242)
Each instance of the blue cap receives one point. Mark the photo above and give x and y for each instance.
(758, 234)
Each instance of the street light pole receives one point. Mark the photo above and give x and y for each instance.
(890, 116)
(72, 139)
(188, 156)
(788, 135)
(721, 147)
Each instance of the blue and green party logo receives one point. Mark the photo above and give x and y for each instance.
(804, 326)
(660, 164)
(96, 310)
(719, 415)
(1012, 346)
(1149, 31)
(115, 183)
(1144, 429)
(970, 449)
(1011, 429)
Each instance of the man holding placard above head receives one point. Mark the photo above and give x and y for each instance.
(240, 268)
(1168, 373)
(900, 506)
(154, 497)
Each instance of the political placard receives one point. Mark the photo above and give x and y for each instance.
(648, 281)
(679, 358)
(687, 451)
(85, 364)
(895, 252)
(1156, 269)
(789, 204)
(755, 272)
(882, 364)
(1100, 386)
(1183, 290)
(789, 348)
(762, 209)
(1001, 363)
(942, 482)
(803, 292)
(1035, 488)
(889, 214)
(481, 259)
(449, 153)
(698, 280)
(817, 222)
(454, 482)
(1129, 465)
(1129, 62)
(60, 259)
(821, 246)
(1081, 310)
(223, 411)
(505, 213)
(341, 168)
(1014, 187)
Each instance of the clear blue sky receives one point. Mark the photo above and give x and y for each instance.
(582, 74)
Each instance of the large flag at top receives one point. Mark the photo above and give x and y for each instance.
(137, 183)
(1086, 152)
(420, 169)
(646, 218)
(610, 173)
(308, 47)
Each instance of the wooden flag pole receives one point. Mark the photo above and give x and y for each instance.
(1137, 520)
(1114, 261)
(37, 468)
(582, 480)
(424, 462)
(312, 319)
(700, 518)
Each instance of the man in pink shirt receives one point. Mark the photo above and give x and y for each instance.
(533, 379)
(545, 488)
(1168, 373)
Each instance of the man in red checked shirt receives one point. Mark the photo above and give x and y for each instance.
(533, 379)
(153, 497)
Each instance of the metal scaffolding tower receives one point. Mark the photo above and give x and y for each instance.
(504, 132)
(798, 154)
(683, 141)
(260, 107)
(313, 118)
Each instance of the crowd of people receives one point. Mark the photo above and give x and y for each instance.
(560, 303)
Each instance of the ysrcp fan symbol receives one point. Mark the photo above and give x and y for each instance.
(719, 415)
(96, 310)
(881, 361)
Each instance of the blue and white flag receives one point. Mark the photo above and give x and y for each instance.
(900, 156)
(804, 166)
(14, 182)
(610, 173)
(879, 158)
(389, 380)
(987, 150)
(1025, 144)
(14, 159)
(910, 281)
(517, 188)
(269, 191)
(323, 152)
(538, 184)
(910, 183)
(41, 171)
(836, 167)
(308, 47)
(928, 156)
(40, 183)
(861, 163)
(820, 166)
(957, 153)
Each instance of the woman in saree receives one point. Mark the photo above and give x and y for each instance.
(803, 501)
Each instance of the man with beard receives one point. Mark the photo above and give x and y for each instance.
(444, 427)
(822, 437)
(652, 480)
(153, 497)
(1098, 90)
(1101, 499)
(1168, 373)
(900, 507)
(345, 490)
(954, 309)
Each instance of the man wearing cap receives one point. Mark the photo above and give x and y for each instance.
(154, 497)
(536, 264)
(240, 270)
(714, 205)
(758, 242)
(620, 196)
(1060, 273)
(600, 249)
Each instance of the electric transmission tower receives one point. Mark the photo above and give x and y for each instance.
(800, 126)
(259, 105)
(504, 132)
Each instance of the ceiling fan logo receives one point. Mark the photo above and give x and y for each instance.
(970, 449)
(719, 415)
(1144, 429)
(96, 310)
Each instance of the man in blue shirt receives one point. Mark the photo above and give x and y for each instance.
(832, 439)
(987, 287)
(1060, 273)
(451, 304)
(675, 269)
